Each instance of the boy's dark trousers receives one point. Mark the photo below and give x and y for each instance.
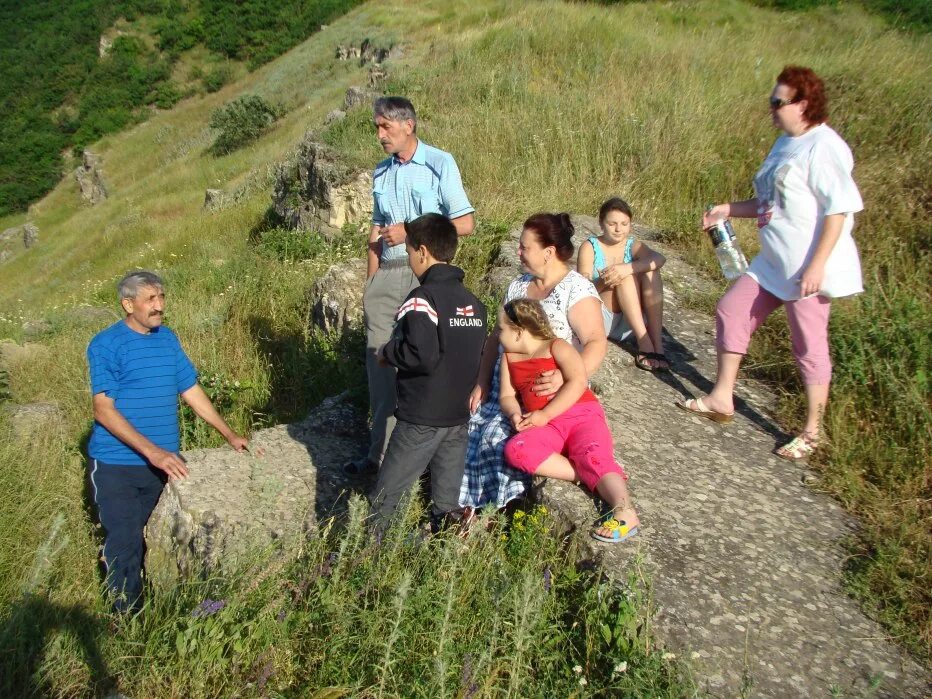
(411, 450)
(125, 497)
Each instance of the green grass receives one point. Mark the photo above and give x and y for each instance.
(638, 100)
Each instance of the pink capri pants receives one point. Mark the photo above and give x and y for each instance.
(746, 305)
(580, 434)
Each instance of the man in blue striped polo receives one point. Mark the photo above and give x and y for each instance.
(138, 369)
(415, 179)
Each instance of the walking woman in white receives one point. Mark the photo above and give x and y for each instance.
(805, 204)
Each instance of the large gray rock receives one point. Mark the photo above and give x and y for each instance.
(338, 297)
(366, 52)
(213, 199)
(358, 96)
(30, 234)
(315, 191)
(90, 179)
(33, 329)
(230, 503)
(33, 419)
(12, 353)
(25, 235)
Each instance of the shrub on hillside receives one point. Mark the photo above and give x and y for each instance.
(241, 121)
(217, 78)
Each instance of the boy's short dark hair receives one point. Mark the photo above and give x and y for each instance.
(436, 233)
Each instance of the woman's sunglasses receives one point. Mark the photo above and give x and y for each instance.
(777, 103)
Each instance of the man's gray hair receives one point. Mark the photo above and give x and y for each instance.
(395, 109)
(129, 286)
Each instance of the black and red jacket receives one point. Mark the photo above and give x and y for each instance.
(436, 346)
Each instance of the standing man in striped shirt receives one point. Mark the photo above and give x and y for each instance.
(415, 179)
(138, 369)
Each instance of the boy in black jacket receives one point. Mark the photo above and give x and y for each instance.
(436, 347)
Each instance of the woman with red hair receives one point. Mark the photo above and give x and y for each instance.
(804, 205)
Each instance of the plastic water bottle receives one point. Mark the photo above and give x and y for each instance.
(727, 250)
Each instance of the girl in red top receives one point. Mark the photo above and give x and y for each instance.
(564, 435)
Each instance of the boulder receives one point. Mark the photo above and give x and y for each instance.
(315, 191)
(334, 115)
(35, 418)
(33, 329)
(213, 199)
(338, 294)
(290, 482)
(30, 234)
(27, 234)
(356, 96)
(366, 52)
(95, 315)
(12, 353)
(90, 179)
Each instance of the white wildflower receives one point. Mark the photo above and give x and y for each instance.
(668, 656)
(583, 681)
(577, 669)
(694, 656)
(620, 667)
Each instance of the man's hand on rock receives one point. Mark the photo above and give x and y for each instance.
(394, 234)
(240, 444)
(169, 462)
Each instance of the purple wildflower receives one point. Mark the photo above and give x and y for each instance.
(281, 616)
(208, 607)
(466, 679)
(264, 674)
(548, 579)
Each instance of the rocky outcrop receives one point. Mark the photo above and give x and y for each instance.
(358, 96)
(313, 191)
(366, 52)
(90, 179)
(34, 329)
(213, 199)
(17, 238)
(12, 353)
(33, 419)
(289, 483)
(337, 297)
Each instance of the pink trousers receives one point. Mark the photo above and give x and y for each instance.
(581, 434)
(746, 305)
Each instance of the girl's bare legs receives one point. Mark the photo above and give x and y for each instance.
(611, 487)
(557, 466)
(628, 295)
(651, 286)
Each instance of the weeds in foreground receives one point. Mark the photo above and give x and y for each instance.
(503, 612)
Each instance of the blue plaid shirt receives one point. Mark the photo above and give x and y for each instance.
(428, 183)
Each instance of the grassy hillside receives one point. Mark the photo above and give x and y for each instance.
(547, 106)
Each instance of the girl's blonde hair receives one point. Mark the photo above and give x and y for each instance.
(529, 315)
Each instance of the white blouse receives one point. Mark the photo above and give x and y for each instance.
(804, 179)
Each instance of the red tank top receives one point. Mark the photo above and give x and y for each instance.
(523, 374)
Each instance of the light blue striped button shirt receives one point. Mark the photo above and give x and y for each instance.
(428, 183)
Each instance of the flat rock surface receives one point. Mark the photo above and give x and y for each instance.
(745, 560)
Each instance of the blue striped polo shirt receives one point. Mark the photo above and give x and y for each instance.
(143, 374)
(428, 183)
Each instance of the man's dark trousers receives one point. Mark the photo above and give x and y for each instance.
(411, 450)
(125, 497)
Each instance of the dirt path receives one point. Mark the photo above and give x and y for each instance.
(745, 559)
